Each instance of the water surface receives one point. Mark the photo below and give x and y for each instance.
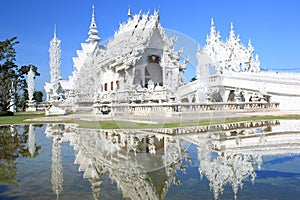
(62, 161)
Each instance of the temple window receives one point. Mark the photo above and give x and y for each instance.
(118, 84)
(105, 87)
(112, 85)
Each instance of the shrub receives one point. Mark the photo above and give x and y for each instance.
(6, 113)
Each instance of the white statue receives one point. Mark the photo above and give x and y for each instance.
(30, 85)
(30, 82)
(54, 110)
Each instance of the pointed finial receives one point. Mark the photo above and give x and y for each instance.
(93, 13)
(249, 43)
(231, 30)
(54, 36)
(212, 23)
(212, 28)
(129, 12)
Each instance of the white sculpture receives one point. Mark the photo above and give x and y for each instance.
(30, 84)
(54, 110)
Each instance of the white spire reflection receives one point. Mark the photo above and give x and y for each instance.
(31, 141)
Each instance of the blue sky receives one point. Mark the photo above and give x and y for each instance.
(272, 25)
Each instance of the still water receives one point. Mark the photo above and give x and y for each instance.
(54, 161)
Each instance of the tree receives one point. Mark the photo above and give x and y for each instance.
(38, 96)
(8, 72)
(13, 82)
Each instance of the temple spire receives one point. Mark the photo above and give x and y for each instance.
(93, 32)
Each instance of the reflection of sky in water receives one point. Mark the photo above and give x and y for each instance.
(109, 161)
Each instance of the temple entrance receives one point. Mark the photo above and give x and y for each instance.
(149, 73)
(153, 71)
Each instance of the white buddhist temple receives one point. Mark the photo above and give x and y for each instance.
(139, 71)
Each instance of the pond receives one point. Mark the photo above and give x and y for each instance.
(57, 161)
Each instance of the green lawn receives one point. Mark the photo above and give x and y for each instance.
(19, 118)
(111, 124)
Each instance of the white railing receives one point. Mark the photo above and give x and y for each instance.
(183, 107)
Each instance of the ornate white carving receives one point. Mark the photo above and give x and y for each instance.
(230, 56)
(93, 32)
(55, 56)
(54, 110)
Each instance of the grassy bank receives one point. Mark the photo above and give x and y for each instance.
(111, 124)
(19, 118)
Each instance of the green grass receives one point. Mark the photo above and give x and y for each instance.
(111, 124)
(19, 118)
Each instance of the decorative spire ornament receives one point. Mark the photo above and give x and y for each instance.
(55, 56)
(93, 32)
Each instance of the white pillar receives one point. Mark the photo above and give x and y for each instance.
(225, 95)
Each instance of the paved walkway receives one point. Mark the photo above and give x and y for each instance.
(175, 117)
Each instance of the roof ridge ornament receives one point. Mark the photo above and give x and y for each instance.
(129, 12)
(231, 34)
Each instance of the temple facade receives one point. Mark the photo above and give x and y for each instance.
(140, 67)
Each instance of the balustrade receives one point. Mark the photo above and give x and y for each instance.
(186, 107)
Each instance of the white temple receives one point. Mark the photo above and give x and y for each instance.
(139, 71)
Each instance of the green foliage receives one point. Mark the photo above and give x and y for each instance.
(6, 113)
(38, 96)
(8, 71)
(13, 145)
(13, 78)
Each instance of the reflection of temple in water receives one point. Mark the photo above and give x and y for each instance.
(143, 165)
(138, 163)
